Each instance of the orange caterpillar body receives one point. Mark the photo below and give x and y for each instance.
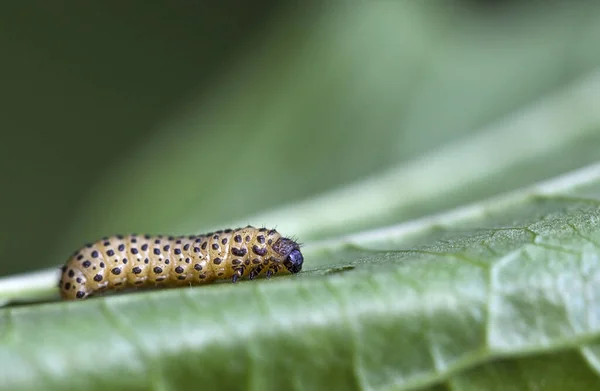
(124, 261)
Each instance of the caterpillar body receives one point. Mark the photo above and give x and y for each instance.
(126, 261)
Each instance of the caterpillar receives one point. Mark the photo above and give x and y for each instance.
(126, 261)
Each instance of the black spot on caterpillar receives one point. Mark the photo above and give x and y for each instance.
(119, 262)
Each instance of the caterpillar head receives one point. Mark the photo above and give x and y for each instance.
(289, 251)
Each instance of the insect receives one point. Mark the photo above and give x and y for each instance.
(125, 261)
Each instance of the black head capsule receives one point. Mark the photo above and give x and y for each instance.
(294, 261)
(290, 253)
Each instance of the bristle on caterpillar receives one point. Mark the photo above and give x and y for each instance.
(126, 261)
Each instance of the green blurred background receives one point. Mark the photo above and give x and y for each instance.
(175, 117)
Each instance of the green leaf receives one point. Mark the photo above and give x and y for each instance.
(462, 253)
(411, 305)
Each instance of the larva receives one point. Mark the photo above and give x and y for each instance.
(119, 262)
